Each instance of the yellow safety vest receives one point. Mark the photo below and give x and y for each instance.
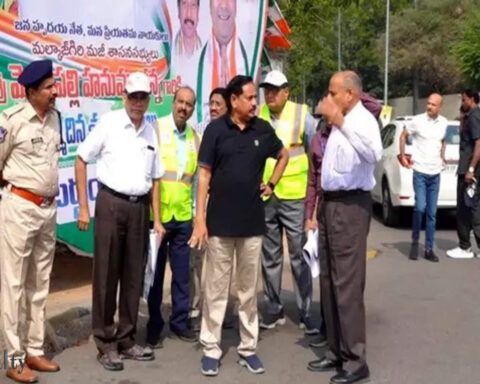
(290, 129)
(176, 193)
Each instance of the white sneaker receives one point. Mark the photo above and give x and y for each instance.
(459, 253)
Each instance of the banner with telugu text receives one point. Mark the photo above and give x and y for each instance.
(95, 45)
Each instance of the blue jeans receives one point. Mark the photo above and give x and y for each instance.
(426, 195)
(176, 249)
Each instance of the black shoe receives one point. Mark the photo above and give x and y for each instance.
(361, 375)
(324, 365)
(319, 342)
(430, 256)
(413, 251)
(110, 360)
(139, 353)
(155, 345)
(194, 323)
(186, 335)
(271, 321)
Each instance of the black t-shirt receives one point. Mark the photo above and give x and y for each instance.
(468, 135)
(237, 161)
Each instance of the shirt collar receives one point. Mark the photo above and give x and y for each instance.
(470, 111)
(251, 124)
(430, 119)
(354, 110)
(175, 128)
(30, 112)
(127, 122)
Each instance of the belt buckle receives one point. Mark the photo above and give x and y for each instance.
(133, 199)
(45, 203)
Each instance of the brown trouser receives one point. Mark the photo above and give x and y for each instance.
(344, 225)
(121, 238)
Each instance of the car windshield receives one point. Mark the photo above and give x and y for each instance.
(452, 136)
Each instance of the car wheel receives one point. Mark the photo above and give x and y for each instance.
(390, 214)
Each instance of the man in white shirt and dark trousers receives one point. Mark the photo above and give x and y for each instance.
(428, 134)
(125, 146)
(352, 150)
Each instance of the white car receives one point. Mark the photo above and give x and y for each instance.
(394, 183)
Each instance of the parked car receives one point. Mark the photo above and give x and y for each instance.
(394, 183)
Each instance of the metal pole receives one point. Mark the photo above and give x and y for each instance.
(387, 38)
(339, 39)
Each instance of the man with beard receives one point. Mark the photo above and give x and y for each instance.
(124, 145)
(178, 144)
(468, 210)
(224, 53)
(30, 140)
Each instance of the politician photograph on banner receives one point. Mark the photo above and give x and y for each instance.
(95, 45)
(214, 42)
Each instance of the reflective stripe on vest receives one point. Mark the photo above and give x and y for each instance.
(176, 193)
(290, 129)
(298, 122)
(172, 176)
(296, 151)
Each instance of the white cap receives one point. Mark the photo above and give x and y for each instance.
(275, 78)
(137, 82)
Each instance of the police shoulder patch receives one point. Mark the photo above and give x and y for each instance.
(3, 134)
(9, 112)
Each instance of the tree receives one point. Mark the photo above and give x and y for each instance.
(420, 41)
(313, 57)
(467, 48)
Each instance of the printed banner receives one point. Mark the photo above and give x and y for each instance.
(96, 44)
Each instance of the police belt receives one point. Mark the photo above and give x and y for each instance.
(41, 201)
(338, 195)
(131, 199)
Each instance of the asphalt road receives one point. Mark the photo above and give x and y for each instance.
(422, 327)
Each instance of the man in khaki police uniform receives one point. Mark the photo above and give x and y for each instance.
(29, 151)
(129, 166)
(284, 210)
(179, 145)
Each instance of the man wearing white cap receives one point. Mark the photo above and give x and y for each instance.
(284, 209)
(129, 165)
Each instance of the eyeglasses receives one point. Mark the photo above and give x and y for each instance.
(138, 96)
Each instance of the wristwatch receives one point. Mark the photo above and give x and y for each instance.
(271, 185)
(471, 169)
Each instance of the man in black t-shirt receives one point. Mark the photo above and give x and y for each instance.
(468, 212)
(231, 162)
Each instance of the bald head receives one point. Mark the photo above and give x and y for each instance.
(350, 80)
(434, 105)
(346, 89)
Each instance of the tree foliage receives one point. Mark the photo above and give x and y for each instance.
(437, 43)
(467, 48)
